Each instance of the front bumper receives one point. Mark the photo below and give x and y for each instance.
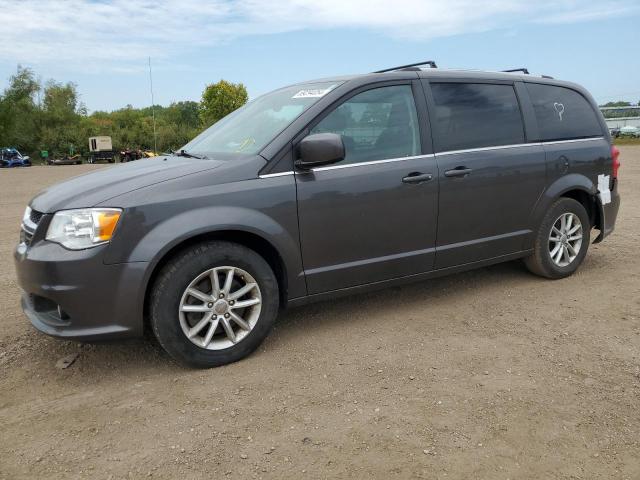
(75, 295)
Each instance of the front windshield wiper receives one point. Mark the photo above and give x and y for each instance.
(184, 153)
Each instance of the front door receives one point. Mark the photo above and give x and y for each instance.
(372, 216)
(490, 179)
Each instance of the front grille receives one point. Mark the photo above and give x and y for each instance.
(35, 217)
(29, 226)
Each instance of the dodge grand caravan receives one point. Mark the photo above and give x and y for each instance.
(316, 190)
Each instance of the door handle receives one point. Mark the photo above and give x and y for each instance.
(458, 172)
(417, 177)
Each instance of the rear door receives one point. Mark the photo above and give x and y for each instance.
(490, 178)
(365, 219)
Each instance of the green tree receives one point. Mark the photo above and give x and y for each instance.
(616, 104)
(19, 113)
(61, 119)
(181, 113)
(53, 118)
(220, 99)
(632, 112)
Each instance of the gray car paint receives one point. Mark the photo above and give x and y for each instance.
(486, 213)
(353, 232)
(360, 227)
(92, 188)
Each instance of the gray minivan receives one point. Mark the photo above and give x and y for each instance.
(315, 190)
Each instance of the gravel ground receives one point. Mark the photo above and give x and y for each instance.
(492, 374)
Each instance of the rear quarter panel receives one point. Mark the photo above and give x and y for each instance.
(573, 165)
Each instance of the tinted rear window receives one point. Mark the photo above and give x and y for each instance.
(474, 115)
(562, 113)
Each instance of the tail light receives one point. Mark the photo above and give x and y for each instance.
(615, 155)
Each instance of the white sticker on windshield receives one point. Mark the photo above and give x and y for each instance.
(603, 189)
(313, 92)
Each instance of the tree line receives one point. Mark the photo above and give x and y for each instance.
(37, 116)
(631, 112)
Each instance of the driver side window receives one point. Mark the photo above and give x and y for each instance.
(378, 124)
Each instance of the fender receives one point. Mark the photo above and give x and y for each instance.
(566, 183)
(174, 230)
(164, 236)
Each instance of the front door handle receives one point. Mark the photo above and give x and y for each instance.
(458, 172)
(417, 177)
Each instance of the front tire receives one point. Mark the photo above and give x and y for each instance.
(213, 304)
(562, 240)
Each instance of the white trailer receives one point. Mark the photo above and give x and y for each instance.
(101, 148)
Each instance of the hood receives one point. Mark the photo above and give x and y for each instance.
(96, 187)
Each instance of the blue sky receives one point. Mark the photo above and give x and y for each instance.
(103, 46)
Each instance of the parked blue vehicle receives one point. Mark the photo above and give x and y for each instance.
(10, 157)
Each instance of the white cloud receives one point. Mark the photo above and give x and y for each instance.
(106, 35)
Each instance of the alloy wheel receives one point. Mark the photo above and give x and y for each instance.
(565, 239)
(220, 307)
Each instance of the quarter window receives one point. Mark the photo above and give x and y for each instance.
(378, 124)
(562, 113)
(475, 115)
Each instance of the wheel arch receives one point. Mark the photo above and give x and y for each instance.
(591, 204)
(577, 187)
(251, 240)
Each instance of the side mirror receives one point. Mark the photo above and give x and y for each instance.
(320, 149)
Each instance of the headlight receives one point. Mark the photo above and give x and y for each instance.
(26, 218)
(83, 228)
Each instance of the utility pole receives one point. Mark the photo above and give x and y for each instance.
(153, 110)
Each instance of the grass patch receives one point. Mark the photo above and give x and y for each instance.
(626, 141)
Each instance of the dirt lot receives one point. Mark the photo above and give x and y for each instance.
(491, 374)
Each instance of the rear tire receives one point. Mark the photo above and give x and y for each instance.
(559, 251)
(184, 294)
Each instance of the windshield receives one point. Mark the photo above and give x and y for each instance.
(250, 128)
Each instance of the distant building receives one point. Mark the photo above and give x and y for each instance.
(629, 116)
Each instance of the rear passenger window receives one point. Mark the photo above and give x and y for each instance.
(562, 113)
(474, 115)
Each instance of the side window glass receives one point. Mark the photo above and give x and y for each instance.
(562, 113)
(475, 115)
(378, 124)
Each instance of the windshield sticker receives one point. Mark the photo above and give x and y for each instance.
(313, 92)
(603, 189)
(559, 108)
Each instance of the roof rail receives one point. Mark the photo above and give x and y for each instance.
(431, 63)
(513, 70)
(525, 71)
